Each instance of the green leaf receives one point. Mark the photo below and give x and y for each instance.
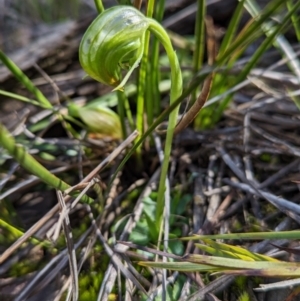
(22, 78)
(180, 266)
(221, 249)
(237, 263)
(249, 235)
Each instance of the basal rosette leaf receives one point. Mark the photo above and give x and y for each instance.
(113, 41)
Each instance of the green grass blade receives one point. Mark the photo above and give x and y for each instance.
(230, 52)
(202, 263)
(22, 98)
(18, 233)
(256, 57)
(121, 111)
(251, 29)
(199, 36)
(232, 28)
(295, 19)
(250, 236)
(194, 84)
(279, 42)
(222, 262)
(22, 78)
(220, 252)
(180, 266)
(219, 84)
(141, 88)
(21, 155)
(143, 75)
(199, 49)
(235, 251)
(153, 83)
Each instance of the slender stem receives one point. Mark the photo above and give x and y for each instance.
(99, 6)
(232, 28)
(121, 111)
(22, 98)
(18, 233)
(129, 114)
(295, 19)
(141, 88)
(148, 86)
(176, 90)
(199, 36)
(22, 78)
(193, 85)
(153, 84)
(142, 79)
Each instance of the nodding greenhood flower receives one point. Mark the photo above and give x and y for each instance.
(99, 120)
(114, 41)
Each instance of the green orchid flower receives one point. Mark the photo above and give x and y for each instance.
(114, 41)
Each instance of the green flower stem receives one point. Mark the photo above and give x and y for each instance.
(22, 78)
(199, 78)
(115, 40)
(99, 6)
(21, 155)
(176, 90)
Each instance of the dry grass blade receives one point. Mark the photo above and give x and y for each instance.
(111, 272)
(51, 270)
(214, 286)
(73, 291)
(9, 251)
(118, 264)
(278, 285)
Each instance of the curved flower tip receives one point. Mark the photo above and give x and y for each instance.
(114, 41)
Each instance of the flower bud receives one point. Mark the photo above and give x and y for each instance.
(99, 120)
